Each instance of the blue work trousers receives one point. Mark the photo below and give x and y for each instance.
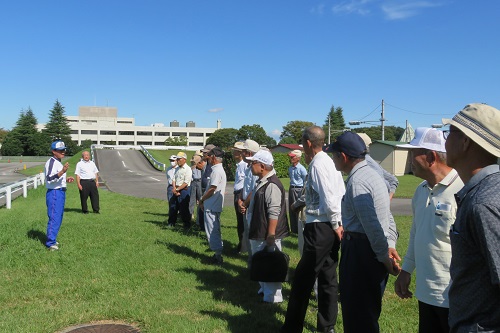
(55, 200)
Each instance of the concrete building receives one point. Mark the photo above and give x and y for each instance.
(102, 125)
(392, 158)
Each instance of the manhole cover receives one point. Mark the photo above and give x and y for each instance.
(102, 328)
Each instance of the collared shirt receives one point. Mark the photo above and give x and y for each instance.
(248, 183)
(170, 174)
(183, 175)
(272, 197)
(297, 175)
(196, 173)
(475, 262)
(429, 249)
(52, 180)
(217, 179)
(239, 177)
(365, 208)
(324, 190)
(86, 169)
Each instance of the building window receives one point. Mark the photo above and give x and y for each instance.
(208, 134)
(144, 143)
(72, 120)
(124, 122)
(145, 133)
(159, 143)
(89, 122)
(200, 144)
(195, 134)
(126, 132)
(125, 143)
(108, 132)
(162, 133)
(179, 134)
(89, 132)
(74, 131)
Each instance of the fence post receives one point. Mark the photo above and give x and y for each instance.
(35, 182)
(8, 197)
(25, 188)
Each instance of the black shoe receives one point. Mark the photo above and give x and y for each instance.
(85, 212)
(216, 260)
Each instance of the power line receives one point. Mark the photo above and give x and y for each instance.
(425, 114)
(370, 112)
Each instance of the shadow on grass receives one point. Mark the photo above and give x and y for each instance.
(156, 214)
(76, 210)
(37, 234)
(231, 284)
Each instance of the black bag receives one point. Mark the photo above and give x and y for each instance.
(269, 265)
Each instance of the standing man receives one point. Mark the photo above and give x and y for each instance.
(297, 174)
(250, 147)
(170, 175)
(365, 261)
(55, 182)
(267, 215)
(429, 250)
(473, 149)
(322, 234)
(202, 166)
(180, 190)
(196, 192)
(212, 202)
(87, 180)
(239, 179)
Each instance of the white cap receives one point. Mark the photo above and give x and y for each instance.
(173, 157)
(251, 146)
(262, 156)
(427, 138)
(295, 152)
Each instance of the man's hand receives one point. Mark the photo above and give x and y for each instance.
(394, 255)
(241, 206)
(391, 266)
(402, 284)
(339, 232)
(270, 240)
(70, 179)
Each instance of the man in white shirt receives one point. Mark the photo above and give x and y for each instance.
(181, 193)
(170, 175)
(429, 249)
(322, 234)
(239, 179)
(87, 180)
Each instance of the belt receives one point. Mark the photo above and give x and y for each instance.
(197, 180)
(295, 186)
(57, 189)
(354, 235)
(237, 191)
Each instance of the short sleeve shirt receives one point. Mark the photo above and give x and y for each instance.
(217, 179)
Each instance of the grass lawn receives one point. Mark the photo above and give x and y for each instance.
(124, 265)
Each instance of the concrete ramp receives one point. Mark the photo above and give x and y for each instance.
(129, 172)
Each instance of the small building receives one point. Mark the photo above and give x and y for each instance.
(392, 158)
(285, 148)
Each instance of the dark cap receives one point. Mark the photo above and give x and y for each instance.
(217, 152)
(207, 148)
(350, 144)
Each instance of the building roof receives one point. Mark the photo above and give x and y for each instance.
(389, 143)
(291, 146)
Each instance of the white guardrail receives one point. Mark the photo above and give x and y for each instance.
(9, 189)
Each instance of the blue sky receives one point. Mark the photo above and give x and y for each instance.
(250, 62)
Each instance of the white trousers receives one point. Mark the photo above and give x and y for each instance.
(272, 290)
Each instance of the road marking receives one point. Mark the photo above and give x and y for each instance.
(155, 179)
(123, 162)
(119, 154)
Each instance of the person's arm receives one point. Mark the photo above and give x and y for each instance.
(330, 188)
(78, 182)
(272, 195)
(208, 193)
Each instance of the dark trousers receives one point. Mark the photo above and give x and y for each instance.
(362, 283)
(195, 194)
(293, 194)
(319, 260)
(180, 204)
(89, 188)
(432, 319)
(240, 227)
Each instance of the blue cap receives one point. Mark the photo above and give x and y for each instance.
(57, 145)
(350, 144)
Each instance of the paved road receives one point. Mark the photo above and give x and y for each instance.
(8, 171)
(129, 172)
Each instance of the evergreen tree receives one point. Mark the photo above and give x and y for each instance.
(24, 137)
(337, 123)
(58, 127)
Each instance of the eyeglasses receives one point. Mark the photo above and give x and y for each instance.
(446, 133)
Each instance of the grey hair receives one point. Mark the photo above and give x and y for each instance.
(315, 135)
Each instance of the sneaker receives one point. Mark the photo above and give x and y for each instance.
(53, 248)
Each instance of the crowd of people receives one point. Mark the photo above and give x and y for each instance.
(453, 243)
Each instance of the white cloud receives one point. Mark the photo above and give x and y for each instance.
(215, 110)
(353, 7)
(399, 11)
(275, 132)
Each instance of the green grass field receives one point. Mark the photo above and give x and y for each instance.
(124, 265)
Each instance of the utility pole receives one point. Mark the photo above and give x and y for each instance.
(382, 120)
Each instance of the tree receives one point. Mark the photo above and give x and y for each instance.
(337, 123)
(24, 139)
(3, 134)
(293, 130)
(11, 146)
(257, 133)
(288, 140)
(223, 138)
(177, 141)
(58, 127)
